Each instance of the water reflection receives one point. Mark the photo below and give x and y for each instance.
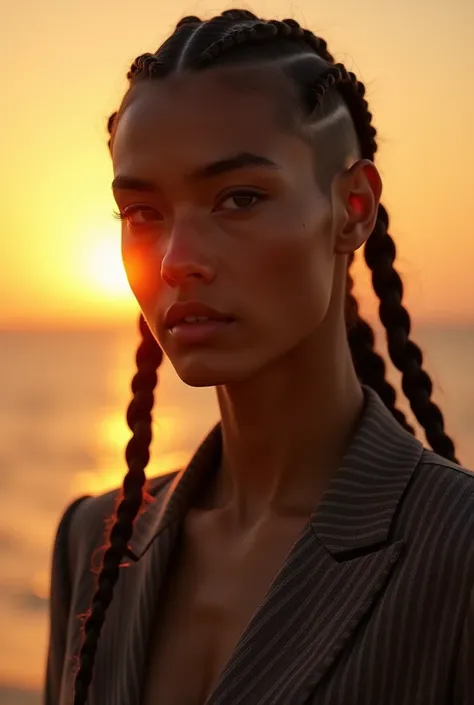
(63, 434)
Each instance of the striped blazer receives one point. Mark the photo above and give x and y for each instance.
(374, 605)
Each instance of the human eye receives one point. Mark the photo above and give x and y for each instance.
(240, 200)
(139, 216)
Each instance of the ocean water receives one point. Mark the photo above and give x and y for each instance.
(63, 433)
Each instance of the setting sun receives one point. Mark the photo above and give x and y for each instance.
(103, 268)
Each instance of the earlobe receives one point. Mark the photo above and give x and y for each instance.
(360, 195)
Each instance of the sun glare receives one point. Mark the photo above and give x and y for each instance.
(103, 267)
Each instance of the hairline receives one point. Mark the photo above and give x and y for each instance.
(331, 137)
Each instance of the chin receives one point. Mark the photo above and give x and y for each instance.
(207, 371)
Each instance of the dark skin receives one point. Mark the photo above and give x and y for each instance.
(268, 247)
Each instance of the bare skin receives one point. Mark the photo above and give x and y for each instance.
(288, 394)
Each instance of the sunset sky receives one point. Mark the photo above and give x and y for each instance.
(64, 67)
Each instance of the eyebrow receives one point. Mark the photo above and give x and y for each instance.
(241, 160)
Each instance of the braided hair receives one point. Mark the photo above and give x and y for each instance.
(234, 37)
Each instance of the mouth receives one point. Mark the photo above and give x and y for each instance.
(199, 330)
(194, 322)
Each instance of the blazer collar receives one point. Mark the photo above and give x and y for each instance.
(370, 482)
(373, 476)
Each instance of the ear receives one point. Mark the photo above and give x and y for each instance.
(357, 194)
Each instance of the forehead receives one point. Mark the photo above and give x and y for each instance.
(188, 116)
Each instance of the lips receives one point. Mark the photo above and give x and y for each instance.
(179, 312)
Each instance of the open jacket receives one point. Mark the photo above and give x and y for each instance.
(374, 605)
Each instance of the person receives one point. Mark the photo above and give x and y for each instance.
(313, 551)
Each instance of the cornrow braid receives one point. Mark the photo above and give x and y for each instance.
(145, 64)
(239, 15)
(148, 359)
(318, 44)
(188, 20)
(258, 32)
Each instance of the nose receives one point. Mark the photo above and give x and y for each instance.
(185, 258)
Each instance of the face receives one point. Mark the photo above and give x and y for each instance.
(220, 207)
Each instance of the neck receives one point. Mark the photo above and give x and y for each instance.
(285, 431)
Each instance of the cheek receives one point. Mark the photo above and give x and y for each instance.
(293, 272)
(142, 269)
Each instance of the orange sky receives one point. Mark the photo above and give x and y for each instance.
(64, 73)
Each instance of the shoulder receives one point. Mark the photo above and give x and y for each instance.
(95, 509)
(441, 489)
(90, 517)
(454, 482)
(436, 514)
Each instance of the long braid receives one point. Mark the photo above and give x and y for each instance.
(405, 354)
(369, 365)
(195, 45)
(148, 359)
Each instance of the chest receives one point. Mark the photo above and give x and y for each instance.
(213, 589)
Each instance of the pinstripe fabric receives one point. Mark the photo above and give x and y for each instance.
(373, 606)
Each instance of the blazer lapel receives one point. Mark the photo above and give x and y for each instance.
(309, 614)
(332, 576)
